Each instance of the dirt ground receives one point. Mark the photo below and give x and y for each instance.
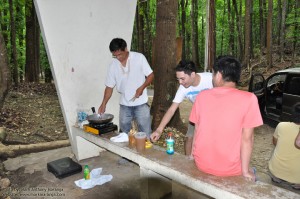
(32, 114)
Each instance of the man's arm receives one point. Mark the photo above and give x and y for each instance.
(165, 120)
(148, 81)
(246, 150)
(297, 141)
(195, 131)
(274, 141)
(107, 95)
(275, 134)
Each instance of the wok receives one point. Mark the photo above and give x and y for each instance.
(100, 119)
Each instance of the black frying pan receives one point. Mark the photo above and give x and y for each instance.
(100, 119)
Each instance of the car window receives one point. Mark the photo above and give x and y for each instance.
(275, 79)
(293, 86)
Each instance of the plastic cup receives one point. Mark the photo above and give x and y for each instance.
(140, 141)
(131, 140)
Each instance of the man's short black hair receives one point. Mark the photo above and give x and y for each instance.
(186, 66)
(296, 114)
(117, 44)
(229, 67)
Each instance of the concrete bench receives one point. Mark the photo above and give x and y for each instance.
(162, 174)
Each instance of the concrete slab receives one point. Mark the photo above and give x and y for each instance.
(31, 179)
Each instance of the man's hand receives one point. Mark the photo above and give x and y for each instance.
(191, 157)
(139, 92)
(155, 136)
(101, 109)
(250, 175)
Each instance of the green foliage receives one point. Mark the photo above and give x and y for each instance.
(149, 16)
(223, 32)
(293, 25)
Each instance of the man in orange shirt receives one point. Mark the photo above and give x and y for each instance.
(224, 119)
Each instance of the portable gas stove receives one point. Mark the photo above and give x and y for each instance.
(99, 129)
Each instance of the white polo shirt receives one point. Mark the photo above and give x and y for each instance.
(192, 91)
(128, 79)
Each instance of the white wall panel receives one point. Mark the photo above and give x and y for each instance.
(77, 34)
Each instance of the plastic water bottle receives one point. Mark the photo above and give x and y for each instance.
(170, 144)
(86, 172)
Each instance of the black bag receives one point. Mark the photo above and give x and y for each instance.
(64, 167)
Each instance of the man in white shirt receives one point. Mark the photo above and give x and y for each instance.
(191, 84)
(130, 73)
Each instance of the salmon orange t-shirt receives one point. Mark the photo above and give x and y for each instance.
(220, 114)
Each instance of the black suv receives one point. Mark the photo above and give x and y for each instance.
(277, 94)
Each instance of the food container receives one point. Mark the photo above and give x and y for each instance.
(131, 140)
(140, 141)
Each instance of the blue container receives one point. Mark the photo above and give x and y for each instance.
(170, 146)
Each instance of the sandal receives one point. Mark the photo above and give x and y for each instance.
(276, 180)
(296, 186)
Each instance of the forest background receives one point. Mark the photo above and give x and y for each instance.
(262, 34)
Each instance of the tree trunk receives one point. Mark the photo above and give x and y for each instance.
(195, 47)
(183, 4)
(262, 24)
(246, 62)
(295, 35)
(148, 36)
(210, 35)
(165, 84)
(20, 27)
(48, 75)
(238, 25)
(13, 45)
(222, 34)
(178, 49)
(37, 38)
(269, 34)
(4, 71)
(279, 21)
(231, 28)
(31, 69)
(12, 151)
(252, 39)
(135, 34)
(282, 30)
(140, 27)
(202, 43)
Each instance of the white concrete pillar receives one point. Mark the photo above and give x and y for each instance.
(77, 34)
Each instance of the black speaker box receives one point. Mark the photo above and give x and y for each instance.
(64, 167)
